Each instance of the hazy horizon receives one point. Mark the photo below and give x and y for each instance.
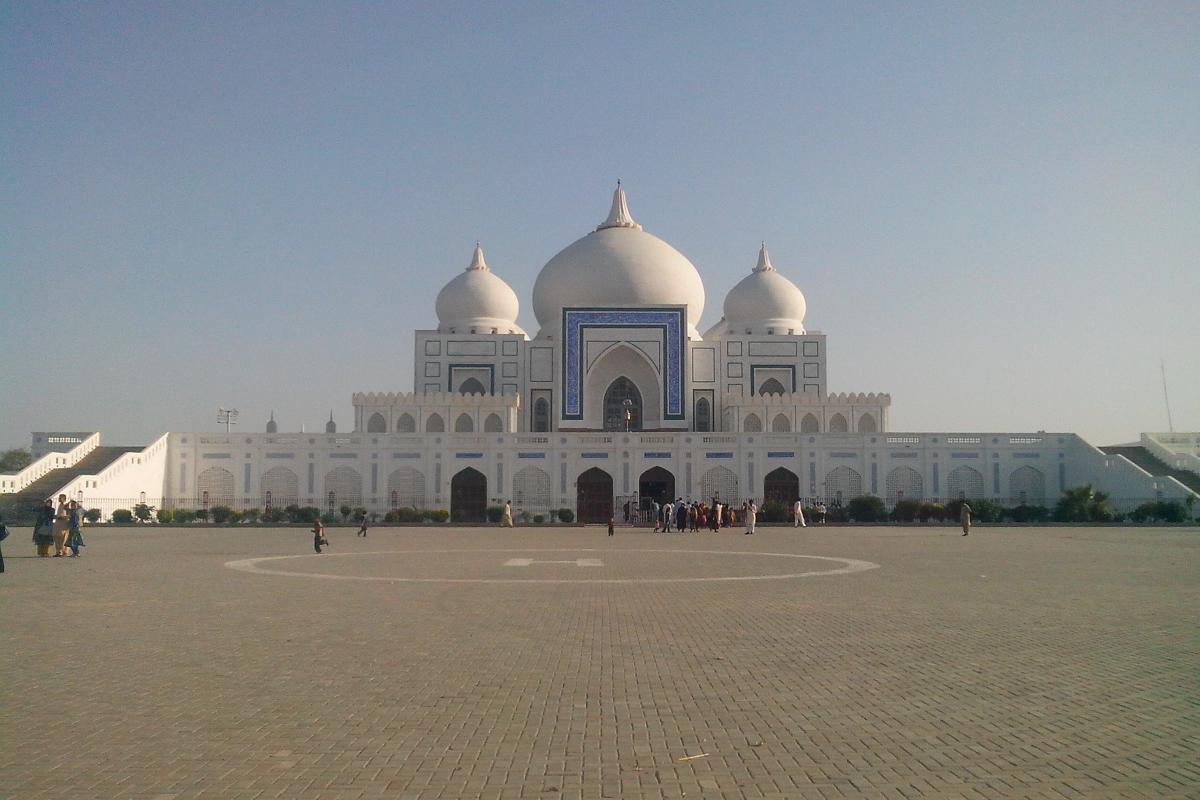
(993, 212)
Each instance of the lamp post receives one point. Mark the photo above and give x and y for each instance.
(628, 404)
(227, 417)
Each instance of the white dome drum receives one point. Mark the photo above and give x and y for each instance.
(763, 302)
(617, 265)
(476, 301)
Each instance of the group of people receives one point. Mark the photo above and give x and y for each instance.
(59, 529)
(697, 515)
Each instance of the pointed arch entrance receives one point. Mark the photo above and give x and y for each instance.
(468, 496)
(618, 392)
(781, 485)
(658, 484)
(594, 496)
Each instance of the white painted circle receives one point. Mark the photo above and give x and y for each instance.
(849, 565)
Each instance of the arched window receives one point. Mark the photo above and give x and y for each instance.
(464, 424)
(842, 484)
(471, 386)
(435, 424)
(406, 424)
(281, 484)
(781, 424)
(407, 488)
(964, 483)
(810, 424)
(344, 484)
(1027, 486)
(752, 424)
(771, 386)
(703, 415)
(377, 424)
(217, 484)
(838, 424)
(541, 415)
(866, 424)
(619, 391)
(493, 424)
(904, 483)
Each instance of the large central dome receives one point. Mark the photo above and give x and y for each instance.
(617, 265)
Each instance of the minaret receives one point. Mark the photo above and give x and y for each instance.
(272, 426)
(619, 216)
(331, 426)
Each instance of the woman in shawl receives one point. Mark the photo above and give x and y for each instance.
(74, 534)
(43, 530)
(62, 526)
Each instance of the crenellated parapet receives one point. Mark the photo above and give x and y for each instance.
(414, 399)
(807, 412)
(435, 412)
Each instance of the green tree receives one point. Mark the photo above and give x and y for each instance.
(1082, 504)
(92, 515)
(122, 516)
(220, 514)
(143, 512)
(15, 460)
(906, 510)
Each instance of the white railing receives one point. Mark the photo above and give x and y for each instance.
(129, 475)
(1157, 443)
(11, 484)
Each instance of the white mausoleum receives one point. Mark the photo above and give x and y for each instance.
(618, 397)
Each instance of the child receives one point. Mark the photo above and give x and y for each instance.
(319, 535)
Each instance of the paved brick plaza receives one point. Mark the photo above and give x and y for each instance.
(1057, 662)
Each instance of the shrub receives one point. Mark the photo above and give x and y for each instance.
(250, 515)
(165, 515)
(1027, 513)
(566, 515)
(292, 513)
(1161, 511)
(932, 511)
(201, 514)
(122, 516)
(538, 519)
(92, 515)
(346, 511)
(866, 508)
(143, 512)
(221, 514)
(182, 515)
(273, 515)
(774, 511)
(906, 510)
(495, 513)
(236, 516)
(436, 514)
(306, 515)
(981, 510)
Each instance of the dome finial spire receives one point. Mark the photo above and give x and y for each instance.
(477, 261)
(764, 260)
(619, 216)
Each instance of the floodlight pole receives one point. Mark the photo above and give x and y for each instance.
(228, 416)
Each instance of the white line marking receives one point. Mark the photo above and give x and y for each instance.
(579, 562)
(850, 565)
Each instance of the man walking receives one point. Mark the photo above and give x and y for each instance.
(964, 516)
(362, 528)
(798, 520)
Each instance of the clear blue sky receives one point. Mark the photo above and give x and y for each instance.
(993, 209)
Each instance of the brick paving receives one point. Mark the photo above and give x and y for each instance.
(1058, 663)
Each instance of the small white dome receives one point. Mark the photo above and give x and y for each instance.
(765, 301)
(477, 301)
(617, 265)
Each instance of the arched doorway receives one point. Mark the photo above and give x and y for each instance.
(468, 496)
(656, 484)
(594, 496)
(618, 392)
(781, 486)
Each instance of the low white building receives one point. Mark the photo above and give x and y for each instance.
(619, 398)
